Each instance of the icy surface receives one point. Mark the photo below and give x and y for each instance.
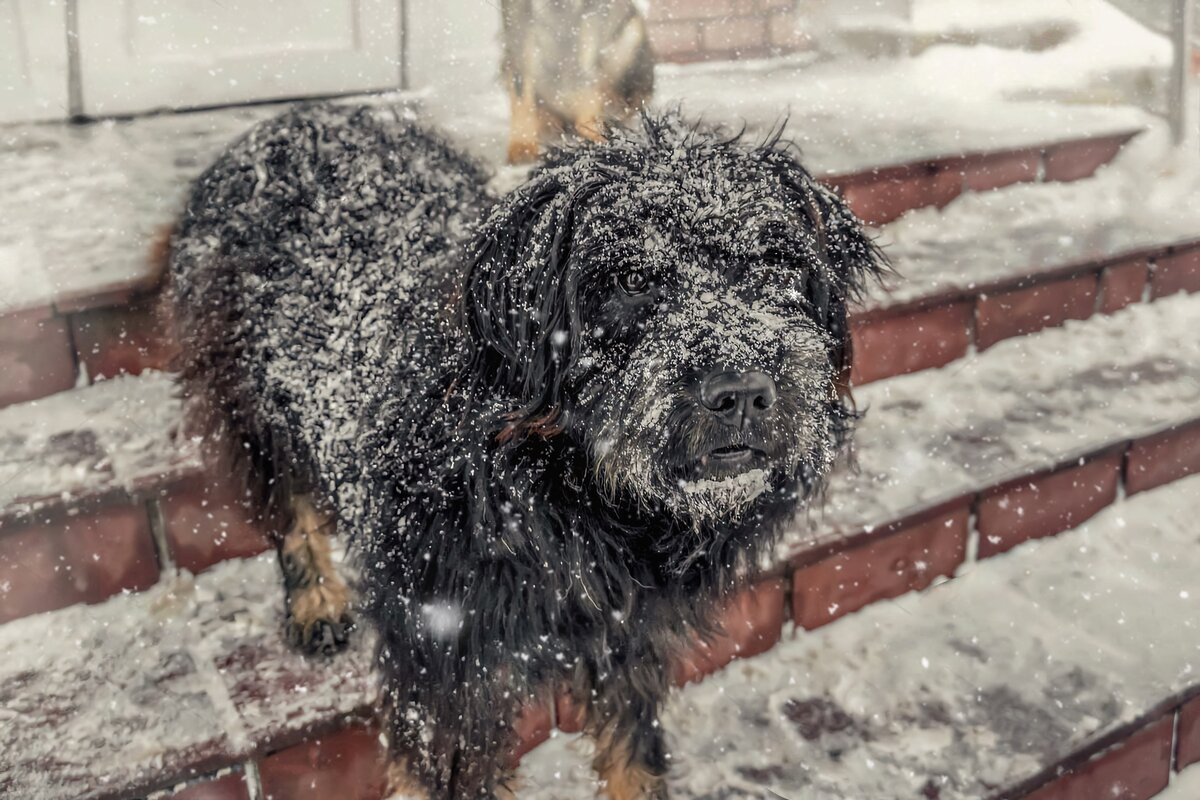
(1026, 404)
(120, 434)
(971, 687)
(133, 692)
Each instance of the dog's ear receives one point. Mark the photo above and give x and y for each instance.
(520, 302)
(849, 258)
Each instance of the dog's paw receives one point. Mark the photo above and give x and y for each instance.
(322, 636)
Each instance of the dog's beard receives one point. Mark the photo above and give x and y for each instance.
(654, 444)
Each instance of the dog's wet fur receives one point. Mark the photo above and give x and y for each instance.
(501, 401)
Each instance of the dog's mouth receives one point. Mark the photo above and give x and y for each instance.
(732, 454)
(729, 460)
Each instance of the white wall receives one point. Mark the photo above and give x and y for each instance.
(33, 60)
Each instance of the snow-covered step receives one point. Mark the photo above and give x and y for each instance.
(1002, 685)
(997, 264)
(143, 691)
(84, 209)
(108, 464)
(1020, 408)
(233, 610)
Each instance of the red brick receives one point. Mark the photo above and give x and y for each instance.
(1187, 739)
(227, 787)
(123, 339)
(672, 39)
(882, 197)
(1176, 273)
(751, 624)
(994, 170)
(56, 562)
(1020, 311)
(1122, 284)
(1072, 161)
(1046, 504)
(1163, 458)
(735, 34)
(1136, 769)
(689, 9)
(350, 764)
(35, 356)
(208, 521)
(532, 727)
(910, 341)
(900, 562)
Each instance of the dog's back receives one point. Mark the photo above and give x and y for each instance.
(306, 257)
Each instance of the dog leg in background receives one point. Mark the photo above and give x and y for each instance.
(318, 602)
(525, 127)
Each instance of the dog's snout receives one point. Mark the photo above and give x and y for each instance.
(737, 398)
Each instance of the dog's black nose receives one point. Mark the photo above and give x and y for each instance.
(736, 398)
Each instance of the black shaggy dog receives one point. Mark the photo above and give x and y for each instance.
(559, 427)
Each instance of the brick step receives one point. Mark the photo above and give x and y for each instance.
(187, 688)
(81, 208)
(1059, 672)
(1011, 280)
(100, 493)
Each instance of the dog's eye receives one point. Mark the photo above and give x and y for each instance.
(774, 257)
(634, 282)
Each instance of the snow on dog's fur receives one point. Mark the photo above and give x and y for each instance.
(559, 427)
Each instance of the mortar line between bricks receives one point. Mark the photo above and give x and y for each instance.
(1173, 765)
(158, 532)
(218, 693)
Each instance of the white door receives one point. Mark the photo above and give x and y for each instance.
(33, 60)
(139, 55)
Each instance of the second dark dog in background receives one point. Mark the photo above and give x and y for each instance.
(571, 66)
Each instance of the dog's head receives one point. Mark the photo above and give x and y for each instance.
(673, 301)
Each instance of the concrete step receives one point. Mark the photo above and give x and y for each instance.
(1059, 672)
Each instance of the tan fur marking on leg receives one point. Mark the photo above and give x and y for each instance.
(401, 783)
(623, 779)
(589, 110)
(524, 130)
(316, 592)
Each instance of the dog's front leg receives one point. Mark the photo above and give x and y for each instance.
(318, 602)
(622, 719)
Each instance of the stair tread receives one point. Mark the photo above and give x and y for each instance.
(182, 629)
(141, 690)
(988, 239)
(81, 205)
(119, 435)
(1024, 405)
(974, 689)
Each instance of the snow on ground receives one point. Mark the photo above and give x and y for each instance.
(116, 434)
(1185, 785)
(1026, 404)
(942, 100)
(975, 685)
(1148, 196)
(141, 687)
